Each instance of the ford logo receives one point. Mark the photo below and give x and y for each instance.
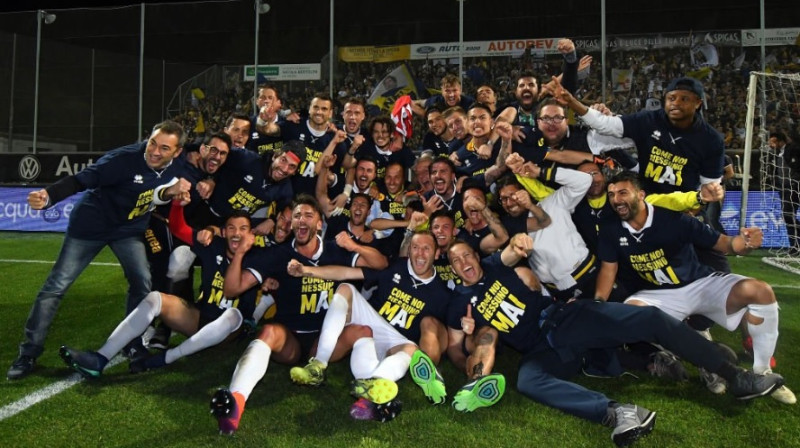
(426, 49)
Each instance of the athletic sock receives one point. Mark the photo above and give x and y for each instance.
(212, 334)
(393, 367)
(765, 335)
(363, 358)
(251, 368)
(133, 325)
(332, 326)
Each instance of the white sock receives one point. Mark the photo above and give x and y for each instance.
(332, 326)
(212, 334)
(251, 368)
(363, 358)
(263, 305)
(393, 367)
(180, 262)
(765, 335)
(133, 325)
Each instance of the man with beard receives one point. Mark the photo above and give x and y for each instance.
(444, 195)
(364, 183)
(301, 303)
(650, 250)
(494, 304)
(211, 319)
(438, 133)
(409, 304)
(451, 96)
(163, 250)
(486, 167)
(482, 228)
(250, 182)
(315, 133)
(456, 120)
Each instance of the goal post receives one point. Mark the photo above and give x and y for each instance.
(771, 192)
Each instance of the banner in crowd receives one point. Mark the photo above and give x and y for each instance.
(44, 168)
(763, 211)
(772, 36)
(622, 79)
(16, 214)
(663, 40)
(374, 54)
(397, 83)
(284, 72)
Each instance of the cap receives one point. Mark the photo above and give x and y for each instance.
(690, 84)
(295, 147)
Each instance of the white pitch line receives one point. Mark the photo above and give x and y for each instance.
(46, 392)
(94, 263)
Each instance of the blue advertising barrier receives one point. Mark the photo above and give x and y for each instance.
(16, 214)
(763, 211)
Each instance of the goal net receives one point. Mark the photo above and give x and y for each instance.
(773, 140)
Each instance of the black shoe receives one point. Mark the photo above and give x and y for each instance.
(22, 367)
(148, 362)
(160, 338)
(747, 385)
(664, 364)
(135, 350)
(631, 423)
(89, 364)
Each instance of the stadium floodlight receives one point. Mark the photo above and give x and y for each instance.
(261, 8)
(48, 19)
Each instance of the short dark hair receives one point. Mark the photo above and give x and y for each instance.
(360, 195)
(239, 213)
(549, 101)
(296, 147)
(221, 136)
(236, 116)
(442, 213)
(627, 176)
(444, 160)
(172, 128)
(778, 135)
(307, 199)
(270, 87)
(477, 105)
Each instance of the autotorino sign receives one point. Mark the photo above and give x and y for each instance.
(510, 47)
(42, 168)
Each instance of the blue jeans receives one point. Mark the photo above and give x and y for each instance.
(75, 255)
(585, 325)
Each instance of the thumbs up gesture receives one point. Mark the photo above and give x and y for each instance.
(467, 322)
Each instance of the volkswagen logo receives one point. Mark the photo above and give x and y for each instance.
(29, 168)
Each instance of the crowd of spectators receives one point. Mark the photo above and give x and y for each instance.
(725, 85)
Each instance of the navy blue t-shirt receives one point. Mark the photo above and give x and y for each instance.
(672, 159)
(211, 302)
(659, 256)
(243, 183)
(403, 300)
(300, 302)
(500, 300)
(305, 181)
(120, 195)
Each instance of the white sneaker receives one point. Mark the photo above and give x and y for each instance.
(783, 393)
